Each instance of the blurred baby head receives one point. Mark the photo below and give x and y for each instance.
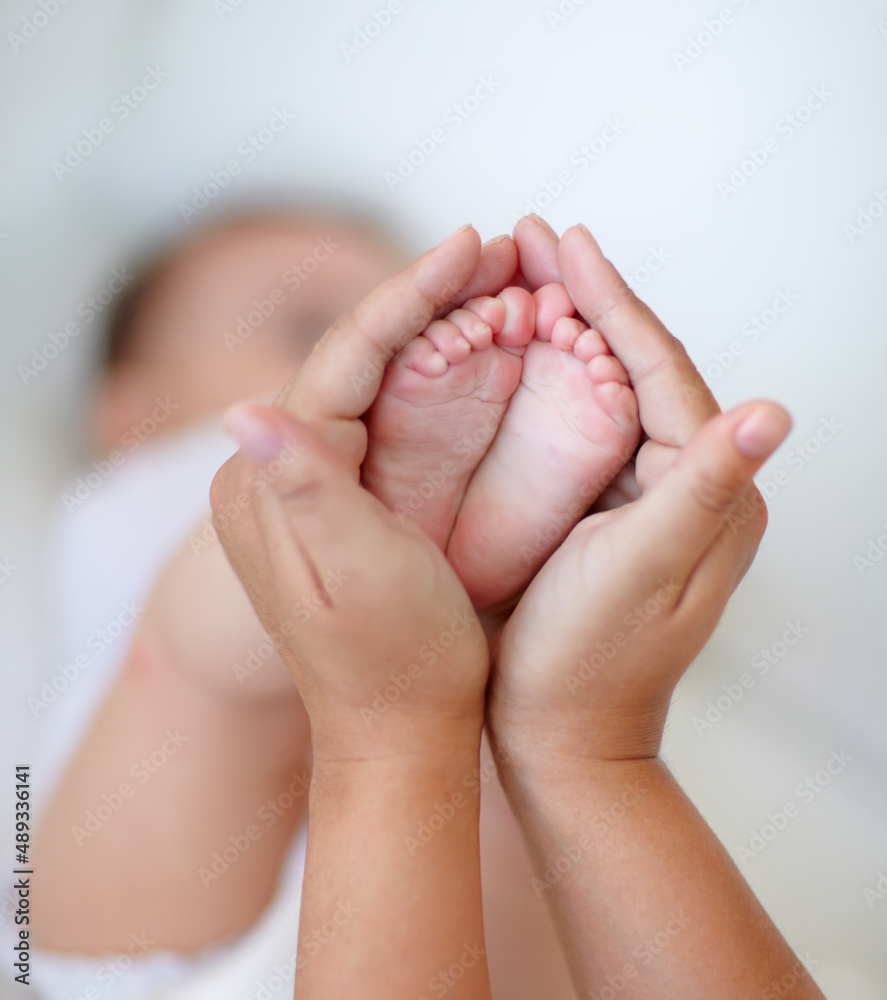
(231, 314)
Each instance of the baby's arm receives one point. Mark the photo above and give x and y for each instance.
(179, 763)
(238, 756)
(393, 672)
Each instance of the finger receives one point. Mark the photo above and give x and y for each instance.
(312, 512)
(496, 268)
(341, 377)
(673, 399)
(537, 252)
(682, 515)
(726, 561)
(652, 462)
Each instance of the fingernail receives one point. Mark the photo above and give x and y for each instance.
(495, 240)
(537, 220)
(457, 232)
(762, 432)
(259, 441)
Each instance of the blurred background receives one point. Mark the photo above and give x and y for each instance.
(730, 156)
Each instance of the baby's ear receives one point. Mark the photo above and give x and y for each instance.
(122, 398)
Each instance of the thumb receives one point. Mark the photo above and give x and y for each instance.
(680, 517)
(310, 511)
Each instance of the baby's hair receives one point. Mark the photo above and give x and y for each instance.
(151, 273)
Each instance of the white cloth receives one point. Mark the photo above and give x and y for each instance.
(109, 544)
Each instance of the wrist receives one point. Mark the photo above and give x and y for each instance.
(345, 736)
(563, 741)
(570, 792)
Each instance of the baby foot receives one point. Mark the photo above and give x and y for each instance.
(571, 425)
(439, 407)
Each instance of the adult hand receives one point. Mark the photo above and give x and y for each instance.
(590, 656)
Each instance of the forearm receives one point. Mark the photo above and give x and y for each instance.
(645, 897)
(391, 904)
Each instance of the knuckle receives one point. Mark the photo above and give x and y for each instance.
(716, 491)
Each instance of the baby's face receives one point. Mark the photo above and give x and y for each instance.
(234, 317)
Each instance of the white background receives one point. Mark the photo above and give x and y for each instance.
(655, 186)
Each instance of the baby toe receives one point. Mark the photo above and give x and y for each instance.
(605, 368)
(447, 338)
(420, 355)
(590, 344)
(552, 303)
(565, 332)
(489, 309)
(520, 318)
(475, 330)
